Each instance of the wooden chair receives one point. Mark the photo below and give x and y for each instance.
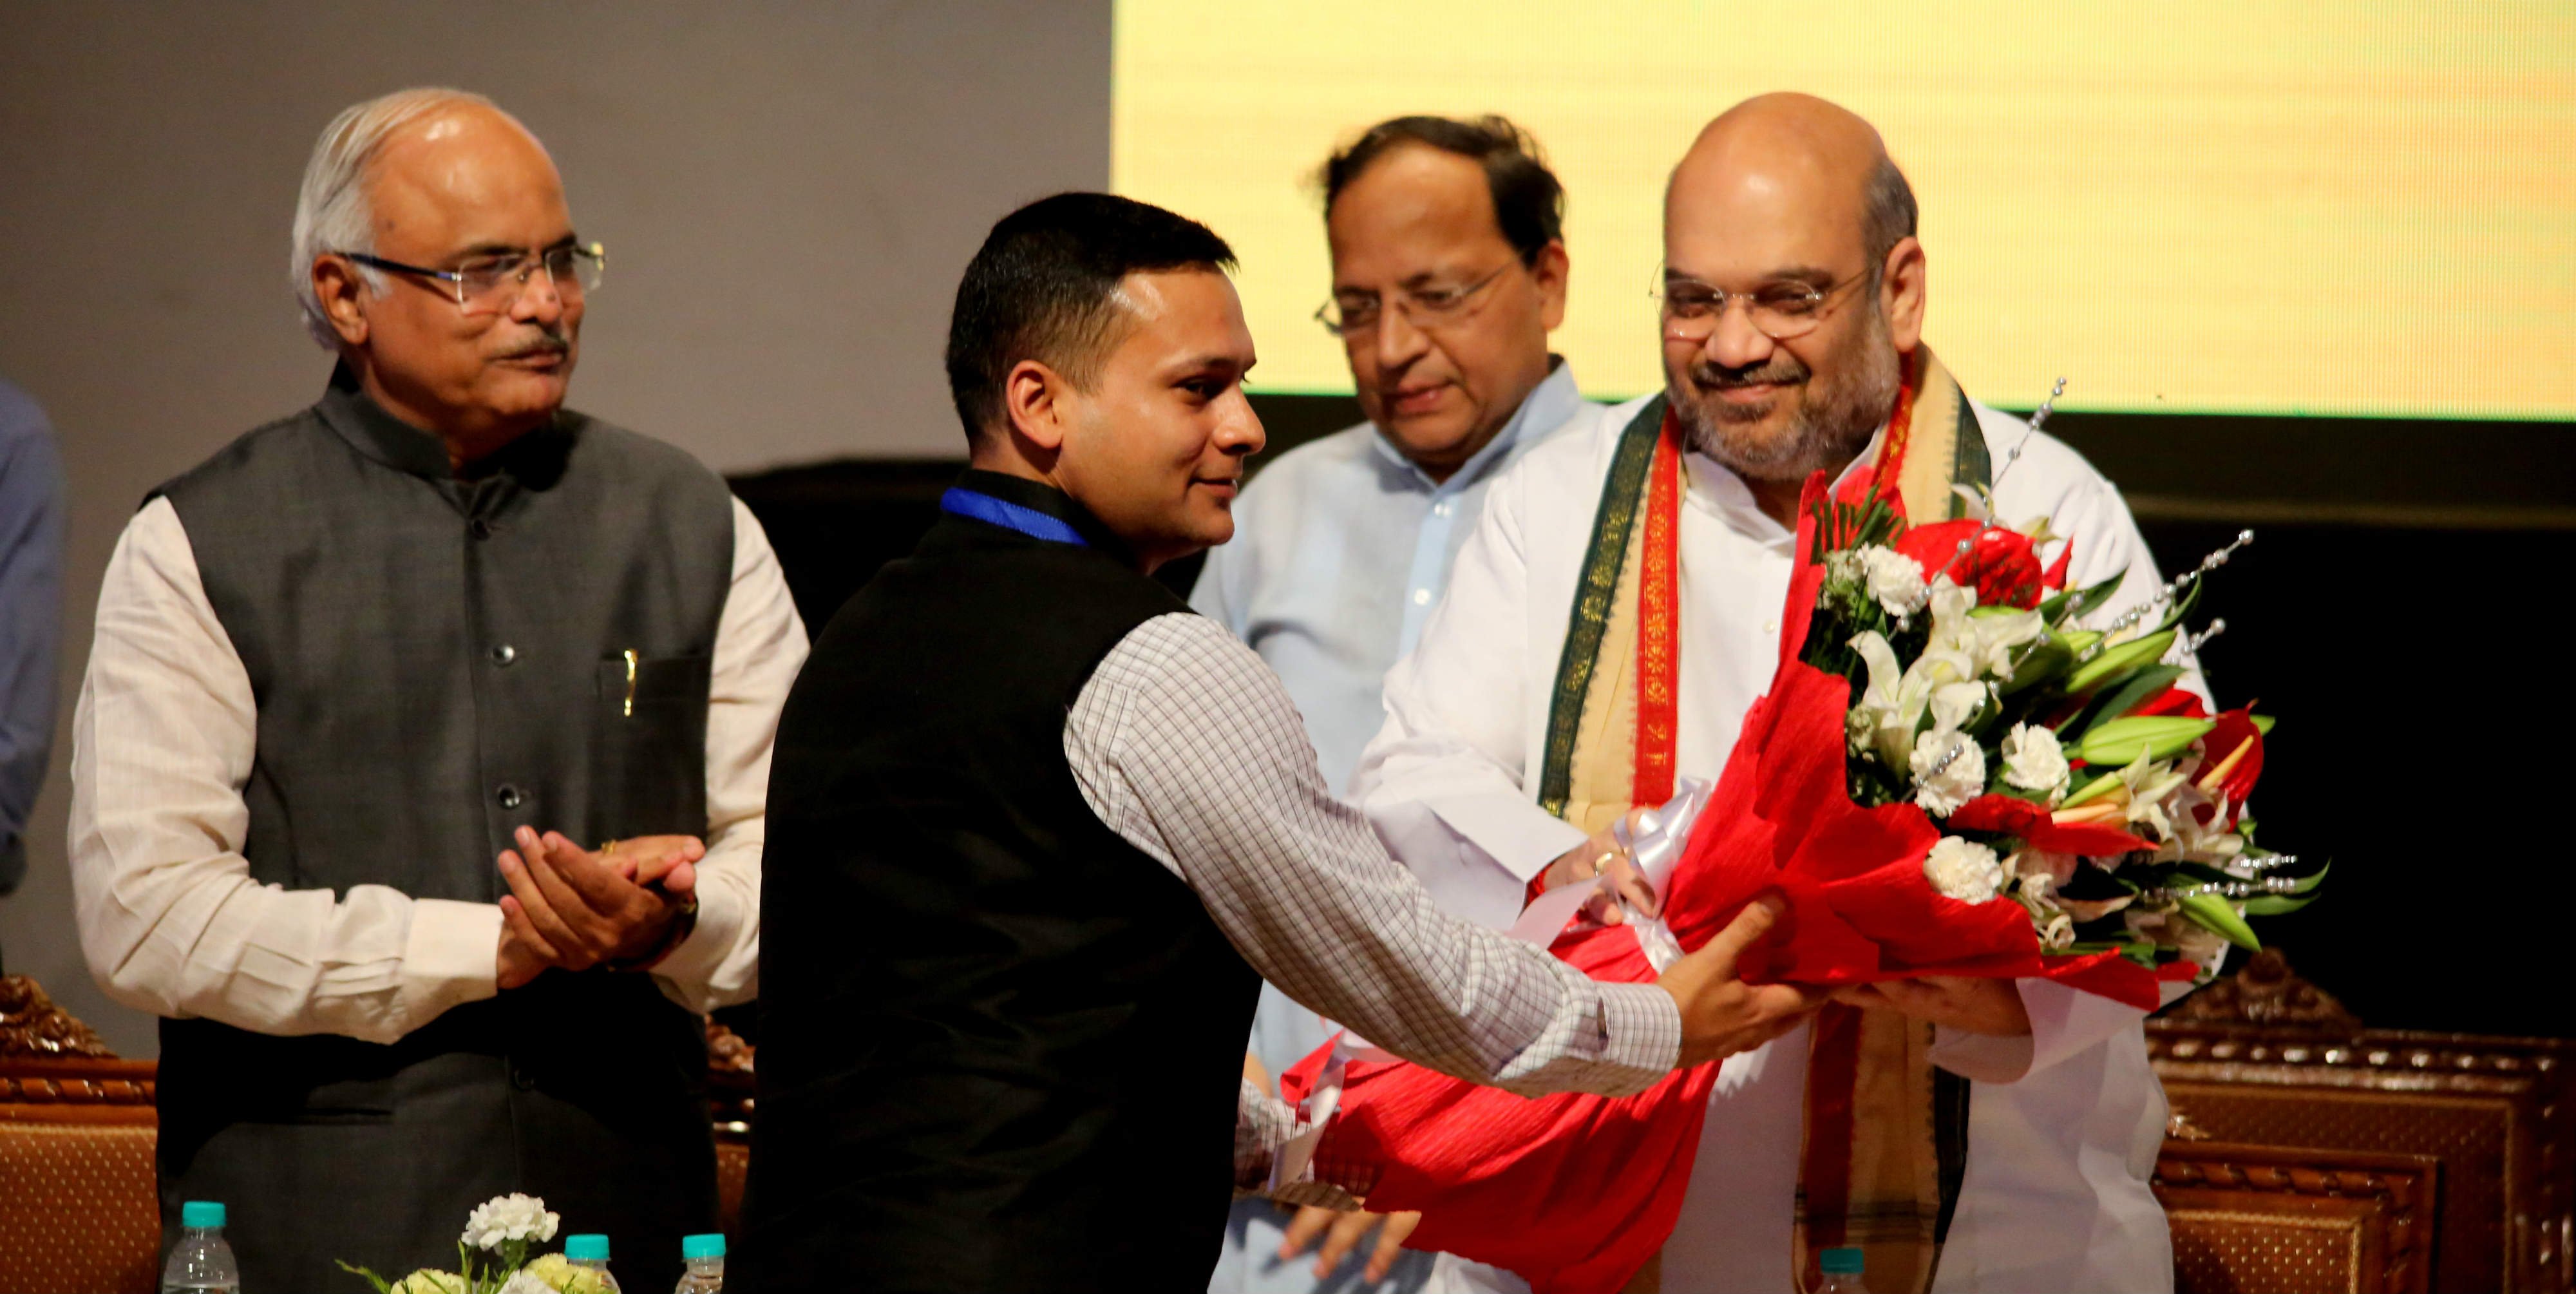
(80, 1212)
(2267, 1059)
(2260, 1219)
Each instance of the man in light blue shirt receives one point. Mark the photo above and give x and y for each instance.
(1449, 271)
(31, 614)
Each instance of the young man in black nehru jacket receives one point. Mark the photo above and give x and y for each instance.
(1043, 830)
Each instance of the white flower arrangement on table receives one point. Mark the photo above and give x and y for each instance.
(501, 1230)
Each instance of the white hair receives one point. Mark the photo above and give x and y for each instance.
(332, 212)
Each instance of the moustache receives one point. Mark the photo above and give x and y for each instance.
(1783, 370)
(546, 342)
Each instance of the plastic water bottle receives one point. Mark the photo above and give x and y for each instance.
(591, 1252)
(1842, 1272)
(705, 1257)
(201, 1263)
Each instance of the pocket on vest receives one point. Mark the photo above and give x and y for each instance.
(651, 724)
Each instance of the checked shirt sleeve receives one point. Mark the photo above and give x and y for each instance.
(1187, 745)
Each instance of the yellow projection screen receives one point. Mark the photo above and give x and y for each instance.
(2198, 206)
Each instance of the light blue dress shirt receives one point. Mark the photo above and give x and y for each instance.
(1340, 551)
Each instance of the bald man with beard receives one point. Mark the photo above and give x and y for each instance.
(1794, 304)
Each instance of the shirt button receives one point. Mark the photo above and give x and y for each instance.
(521, 1079)
(505, 655)
(1422, 597)
(479, 528)
(1770, 626)
(509, 797)
(1440, 509)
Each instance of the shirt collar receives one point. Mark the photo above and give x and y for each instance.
(1041, 497)
(1545, 408)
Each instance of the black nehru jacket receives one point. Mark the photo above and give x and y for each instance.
(1000, 1046)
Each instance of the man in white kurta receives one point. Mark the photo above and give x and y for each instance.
(2064, 1120)
(1448, 273)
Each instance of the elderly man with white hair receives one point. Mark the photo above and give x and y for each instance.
(420, 768)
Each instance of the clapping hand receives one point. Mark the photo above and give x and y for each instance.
(576, 908)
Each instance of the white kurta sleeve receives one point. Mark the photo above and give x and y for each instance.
(170, 920)
(760, 644)
(1442, 781)
(1188, 747)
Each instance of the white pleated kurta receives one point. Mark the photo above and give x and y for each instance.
(2063, 1125)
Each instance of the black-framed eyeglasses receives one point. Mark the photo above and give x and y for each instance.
(1426, 308)
(1780, 310)
(492, 284)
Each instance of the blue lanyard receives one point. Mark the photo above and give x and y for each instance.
(1010, 516)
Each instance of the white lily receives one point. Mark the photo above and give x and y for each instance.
(1998, 636)
(2146, 784)
(1942, 680)
(2193, 840)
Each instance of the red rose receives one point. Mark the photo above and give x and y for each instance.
(2000, 564)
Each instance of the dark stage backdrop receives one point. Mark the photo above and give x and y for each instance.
(2397, 611)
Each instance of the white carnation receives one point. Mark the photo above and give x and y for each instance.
(1961, 779)
(524, 1281)
(430, 1281)
(2034, 761)
(1963, 870)
(1894, 579)
(509, 1217)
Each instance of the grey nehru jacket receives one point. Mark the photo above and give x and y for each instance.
(437, 662)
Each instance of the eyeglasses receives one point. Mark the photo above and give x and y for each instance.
(1353, 313)
(493, 284)
(1780, 310)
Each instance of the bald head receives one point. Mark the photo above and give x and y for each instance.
(1795, 156)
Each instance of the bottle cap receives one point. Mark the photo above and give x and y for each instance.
(1841, 1262)
(201, 1213)
(706, 1246)
(586, 1248)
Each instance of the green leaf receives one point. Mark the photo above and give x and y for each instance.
(2115, 663)
(382, 1285)
(2273, 905)
(2263, 723)
(2181, 606)
(2074, 604)
(2116, 703)
(2046, 659)
(2213, 914)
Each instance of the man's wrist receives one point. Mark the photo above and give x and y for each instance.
(683, 923)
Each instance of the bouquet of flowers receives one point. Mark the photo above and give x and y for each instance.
(1950, 775)
(2065, 768)
(500, 1230)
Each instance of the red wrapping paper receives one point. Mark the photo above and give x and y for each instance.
(1578, 1192)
